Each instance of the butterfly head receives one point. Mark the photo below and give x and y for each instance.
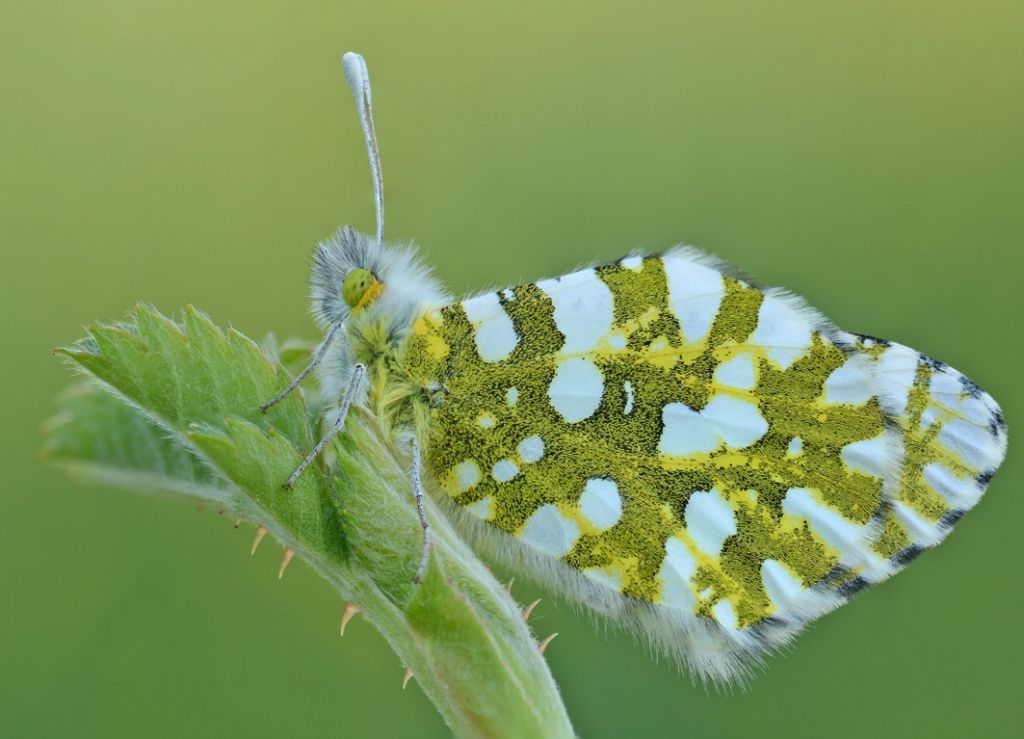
(360, 288)
(347, 276)
(353, 276)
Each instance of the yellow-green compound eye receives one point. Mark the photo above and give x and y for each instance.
(360, 288)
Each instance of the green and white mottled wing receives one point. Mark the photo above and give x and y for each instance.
(710, 462)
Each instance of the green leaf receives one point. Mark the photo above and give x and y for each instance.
(182, 417)
(97, 437)
(257, 461)
(206, 386)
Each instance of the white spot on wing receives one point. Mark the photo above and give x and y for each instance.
(483, 509)
(531, 449)
(960, 493)
(628, 387)
(783, 332)
(676, 570)
(796, 445)
(784, 588)
(870, 456)
(737, 372)
(977, 410)
(709, 521)
(467, 474)
(486, 421)
(512, 396)
(548, 531)
(617, 342)
(733, 421)
(583, 309)
(975, 446)
(724, 614)
(633, 263)
(922, 532)
(601, 503)
(695, 294)
(494, 333)
(852, 382)
(945, 387)
(504, 470)
(576, 390)
(894, 374)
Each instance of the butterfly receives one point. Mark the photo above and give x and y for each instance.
(709, 462)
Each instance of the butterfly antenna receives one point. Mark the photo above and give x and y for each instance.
(359, 80)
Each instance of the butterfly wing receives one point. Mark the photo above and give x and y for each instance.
(711, 462)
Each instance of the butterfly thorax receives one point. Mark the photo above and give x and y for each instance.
(395, 398)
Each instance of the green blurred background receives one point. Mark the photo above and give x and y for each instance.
(868, 156)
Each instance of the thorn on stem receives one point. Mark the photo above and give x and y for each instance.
(529, 609)
(406, 677)
(508, 587)
(544, 644)
(351, 610)
(238, 522)
(260, 533)
(288, 554)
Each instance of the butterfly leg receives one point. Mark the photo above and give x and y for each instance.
(417, 490)
(317, 359)
(358, 372)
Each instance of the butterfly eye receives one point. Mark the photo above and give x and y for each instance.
(360, 288)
